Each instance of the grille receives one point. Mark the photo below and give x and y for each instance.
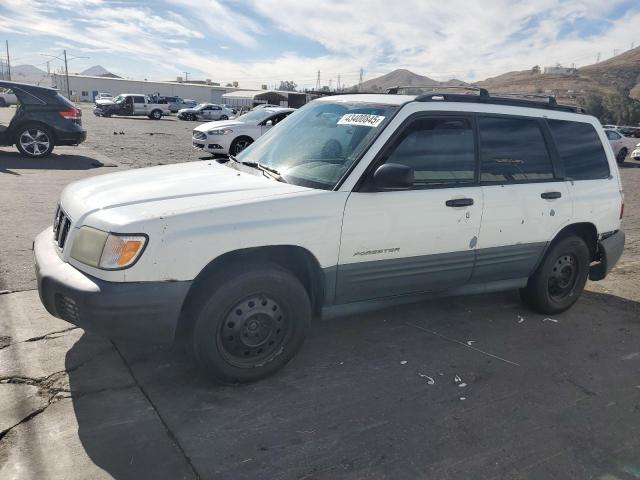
(67, 308)
(199, 135)
(61, 227)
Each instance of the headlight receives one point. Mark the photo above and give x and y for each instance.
(223, 131)
(108, 251)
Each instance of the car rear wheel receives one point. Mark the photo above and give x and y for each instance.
(559, 280)
(249, 323)
(239, 144)
(622, 155)
(155, 115)
(224, 117)
(35, 141)
(3, 102)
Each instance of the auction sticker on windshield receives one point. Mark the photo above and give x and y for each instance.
(361, 119)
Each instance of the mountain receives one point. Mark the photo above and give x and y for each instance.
(26, 74)
(621, 72)
(403, 77)
(98, 71)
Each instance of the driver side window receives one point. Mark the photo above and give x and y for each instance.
(440, 150)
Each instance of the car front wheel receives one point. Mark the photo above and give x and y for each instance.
(239, 144)
(35, 141)
(622, 155)
(559, 280)
(248, 323)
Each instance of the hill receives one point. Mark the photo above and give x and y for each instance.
(27, 74)
(621, 72)
(401, 77)
(98, 71)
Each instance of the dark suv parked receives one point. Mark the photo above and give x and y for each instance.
(43, 119)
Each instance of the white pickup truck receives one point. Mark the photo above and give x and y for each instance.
(350, 199)
(131, 104)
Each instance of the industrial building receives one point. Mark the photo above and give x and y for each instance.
(84, 88)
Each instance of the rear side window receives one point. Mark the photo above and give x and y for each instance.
(513, 150)
(580, 149)
(138, 99)
(440, 150)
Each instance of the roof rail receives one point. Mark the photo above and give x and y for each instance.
(509, 99)
(482, 92)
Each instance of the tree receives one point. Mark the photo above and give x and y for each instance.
(229, 84)
(288, 86)
(535, 70)
(613, 108)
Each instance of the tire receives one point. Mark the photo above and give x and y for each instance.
(559, 280)
(155, 115)
(239, 144)
(3, 102)
(224, 117)
(622, 155)
(192, 117)
(35, 141)
(248, 323)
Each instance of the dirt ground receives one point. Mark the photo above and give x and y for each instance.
(373, 395)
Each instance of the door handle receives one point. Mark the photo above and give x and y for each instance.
(459, 202)
(550, 195)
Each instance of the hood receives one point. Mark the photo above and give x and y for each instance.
(104, 102)
(156, 192)
(219, 124)
(187, 110)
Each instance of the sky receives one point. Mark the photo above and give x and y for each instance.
(257, 42)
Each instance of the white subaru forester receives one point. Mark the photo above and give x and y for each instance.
(351, 199)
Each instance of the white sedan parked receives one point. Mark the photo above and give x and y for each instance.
(233, 136)
(620, 144)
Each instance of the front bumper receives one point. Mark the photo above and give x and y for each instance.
(146, 311)
(208, 146)
(609, 252)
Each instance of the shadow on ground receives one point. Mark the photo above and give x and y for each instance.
(474, 387)
(10, 161)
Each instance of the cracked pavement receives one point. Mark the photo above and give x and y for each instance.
(355, 403)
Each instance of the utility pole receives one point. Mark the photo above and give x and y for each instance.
(186, 77)
(318, 82)
(2, 69)
(361, 75)
(598, 58)
(66, 75)
(338, 84)
(8, 62)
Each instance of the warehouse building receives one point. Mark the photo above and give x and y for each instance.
(252, 98)
(84, 88)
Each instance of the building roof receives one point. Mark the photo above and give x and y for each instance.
(255, 93)
(111, 79)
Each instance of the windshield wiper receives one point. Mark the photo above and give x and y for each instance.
(268, 171)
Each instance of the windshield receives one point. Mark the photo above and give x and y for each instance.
(255, 116)
(316, 146)
(119, 99)
(200, 106)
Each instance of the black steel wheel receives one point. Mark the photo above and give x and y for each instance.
(248, 322)
(559, 280)
(253, 331)
(224, 117)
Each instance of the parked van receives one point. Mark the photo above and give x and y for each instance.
(349, 200)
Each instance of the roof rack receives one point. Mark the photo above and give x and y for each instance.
(482, 92)
(507, 99)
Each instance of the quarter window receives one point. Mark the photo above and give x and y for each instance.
(440, 151)
(138, 99)
(580, 149)
(513, 150)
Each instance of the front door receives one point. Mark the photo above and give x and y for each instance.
(526, 202)
(423, 238)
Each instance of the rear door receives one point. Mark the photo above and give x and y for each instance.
(139, 105)
(423, 238)
(526, 200)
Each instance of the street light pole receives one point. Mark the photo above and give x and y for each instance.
(8, 61)
(66, 74)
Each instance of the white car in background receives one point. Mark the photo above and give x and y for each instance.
(636, 153)
(232, 136)
(103, 96)
(7, 98)
(620, 144)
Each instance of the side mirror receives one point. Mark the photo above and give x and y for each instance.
(393, 176)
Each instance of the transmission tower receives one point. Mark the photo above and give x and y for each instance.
(318, 82)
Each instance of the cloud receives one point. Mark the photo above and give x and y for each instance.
(468, 40)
